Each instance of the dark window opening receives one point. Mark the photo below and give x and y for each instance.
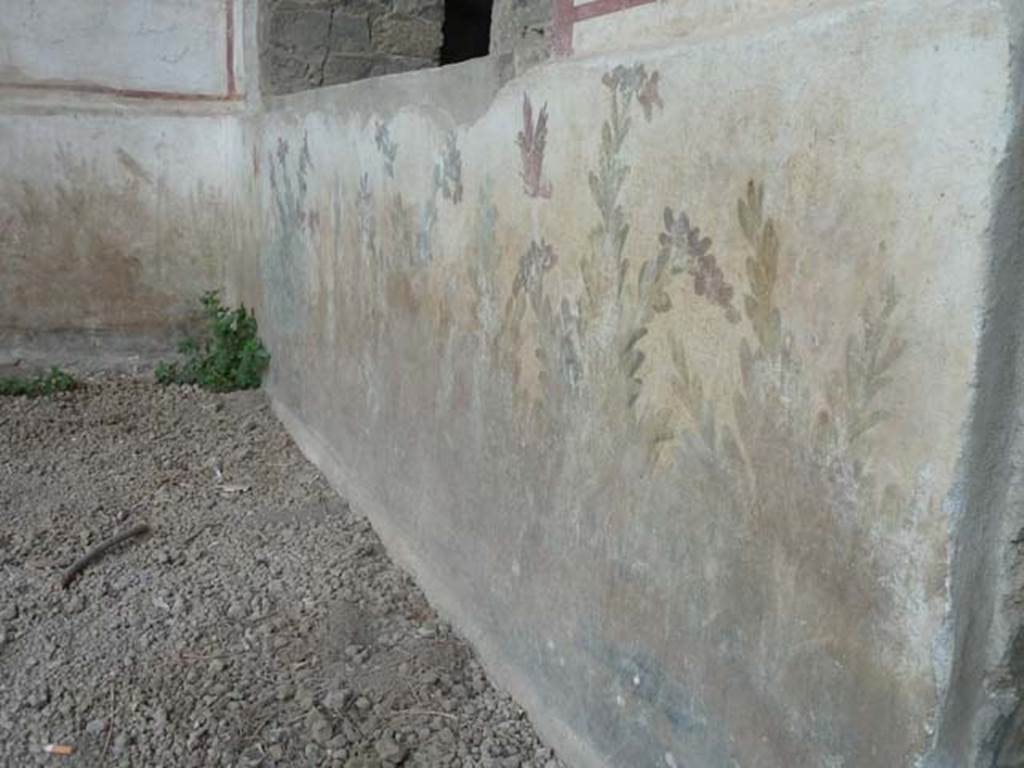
(467, 30)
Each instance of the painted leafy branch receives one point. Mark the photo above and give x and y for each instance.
(869, 361)
(538, 260)
(448, 181)
(624, 84)
(558, 348)
(448, 172)
(290, 202)
(531, 141)
(762, 269)
(386, 146)
(527, 290)
(364, 207)
(687, 386)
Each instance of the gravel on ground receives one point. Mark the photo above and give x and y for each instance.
(259, 622)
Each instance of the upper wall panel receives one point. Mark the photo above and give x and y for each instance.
(174, 47)
(598, 26)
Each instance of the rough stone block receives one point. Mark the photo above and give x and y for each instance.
(401, 36)
(346, 68)
(299, 31)
(350, 33)
(390, 65)
(425, 9)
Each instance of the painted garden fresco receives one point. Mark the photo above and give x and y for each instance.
(550, 385)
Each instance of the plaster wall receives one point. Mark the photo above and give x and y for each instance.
(157, 45)
(123, 168)
(658, 369)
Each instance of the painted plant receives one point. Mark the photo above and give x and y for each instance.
(386, 146)
(531, 141)
(584, 364)
(284, 258)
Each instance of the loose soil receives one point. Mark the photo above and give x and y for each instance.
(258, 623)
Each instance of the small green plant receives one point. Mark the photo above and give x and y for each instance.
(229, 356)
(37, 386)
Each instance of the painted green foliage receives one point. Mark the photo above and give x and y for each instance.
(775, 467)
(770, 459)
(284, 265)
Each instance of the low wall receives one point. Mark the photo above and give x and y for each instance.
(658, 369)
(683, 376)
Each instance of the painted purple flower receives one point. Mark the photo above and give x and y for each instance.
(648, 95)
(636, 82)
(687, 251)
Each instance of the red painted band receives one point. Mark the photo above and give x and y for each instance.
(127, 93)
(229, 45)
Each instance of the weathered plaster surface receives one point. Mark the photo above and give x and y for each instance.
(665, 379)
(523, 28)
(119, 226)
(124, 171)
(160, 45)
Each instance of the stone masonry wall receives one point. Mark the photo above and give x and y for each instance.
(524, 28)
(311, 43)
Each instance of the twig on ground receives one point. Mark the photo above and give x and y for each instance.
(97, 552)
(424, 713)
(195, 535)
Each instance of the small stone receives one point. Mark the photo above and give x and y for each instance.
(390, 752)
(95, 728)
(39, 698)
(252, 756)
(236, 611)
(9, 613)
(275, 752)
(314, 753)
(337, 700)
(305, 698)
(320, 728)
(75, 605)
(363, 703)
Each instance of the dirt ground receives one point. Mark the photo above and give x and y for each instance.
(259, 623)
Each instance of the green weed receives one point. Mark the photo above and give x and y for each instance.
(228, 357)
(37, 386)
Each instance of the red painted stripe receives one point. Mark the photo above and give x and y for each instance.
(564, 19)
(127, 93)
(567, 15)
(134, 93)
(229, 45)
(604, 7)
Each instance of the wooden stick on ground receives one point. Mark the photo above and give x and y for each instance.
(97, 552)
